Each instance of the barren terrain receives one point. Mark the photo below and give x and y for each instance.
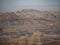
(30, 27)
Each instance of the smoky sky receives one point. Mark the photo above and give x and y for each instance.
(28, 3)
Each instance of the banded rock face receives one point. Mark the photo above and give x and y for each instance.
(27, 21)
(31, 20)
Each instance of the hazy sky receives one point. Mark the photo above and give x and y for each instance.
(4, 4)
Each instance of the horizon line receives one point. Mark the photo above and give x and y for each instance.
(17, 9)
